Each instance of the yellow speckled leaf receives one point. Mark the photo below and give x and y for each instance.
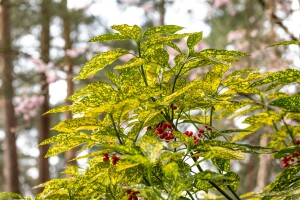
(162, 30)
(150, 146)
(134, 62)
(109, 37)
(133, 32)
(193, 40)
(75, 124)
(99, 62)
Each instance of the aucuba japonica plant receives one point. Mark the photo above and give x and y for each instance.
(149, 130)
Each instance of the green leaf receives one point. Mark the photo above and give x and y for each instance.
(220, 55)
(222, 152)
(59, 109)
(193, 40)
(280, 78)
(196, 62)
(10, 195)
(203, 179)
(234, 131)
(109, 37)
(286, 43)
(242, 72)
(99, 62)
(76, 124)
(285, 179)
(162, 30)
(262, 118)
(134, 62)
(71, 170)
(174, 46)
(289, 103)
(205, 146)
(223, 165)
(133, 32)
(212, 79)
(125, 163)
(64, 142)
(94, 94)
(159, 40)
(157, 55)
(171, 170)
(150, 146)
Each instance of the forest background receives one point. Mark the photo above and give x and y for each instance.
(43, 45)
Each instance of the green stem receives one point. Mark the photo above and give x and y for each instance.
(276, 129)
(142, 67)
(176, 77)
(112, 193)
(210, 116)
(115, 128)
(190, 194)
(138, 132)
(289, 131)
(220, 190)
(151, 184)
(233, 192)
(146, 181)
(212, 183)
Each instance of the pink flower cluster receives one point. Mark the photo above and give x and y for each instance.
(27, 107)
(73, 53)
(42, 67)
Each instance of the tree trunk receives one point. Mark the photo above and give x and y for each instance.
(264, 166)
(10, 169)
(162, 12)
(44, 126)
(69, 70)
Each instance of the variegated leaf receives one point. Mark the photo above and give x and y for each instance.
(162, 30)
(133, 32)
(134, 62)
(109, 37)
(193, 40)
(99, 62)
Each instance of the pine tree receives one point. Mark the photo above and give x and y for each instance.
(11, 171)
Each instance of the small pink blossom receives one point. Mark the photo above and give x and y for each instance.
(27, 107)
(220, 3)
(236, 35)
(40, 66)
(51, 76)
(73, 53)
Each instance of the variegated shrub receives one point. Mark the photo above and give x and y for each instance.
(133, 124)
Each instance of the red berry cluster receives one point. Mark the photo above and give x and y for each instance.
(106, 158)
(289, 160)
(114, 158)
(297, 142)
(132, 194)
(197, 137)
(165, 131)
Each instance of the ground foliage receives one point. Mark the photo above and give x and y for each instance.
(132, 125)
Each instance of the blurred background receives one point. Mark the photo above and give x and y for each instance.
(43, 45)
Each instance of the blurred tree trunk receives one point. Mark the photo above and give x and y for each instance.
(162, 13)
(44, 126)
(263, 167)
(69, 155)
(10, 171)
